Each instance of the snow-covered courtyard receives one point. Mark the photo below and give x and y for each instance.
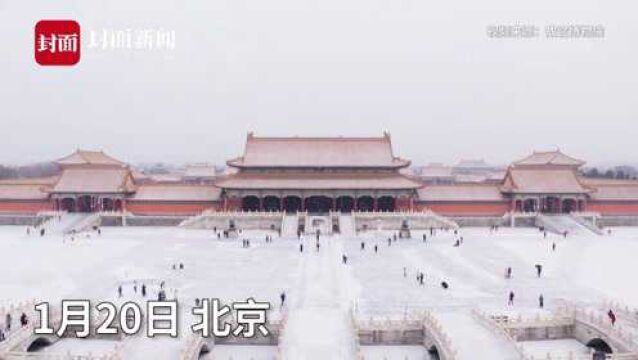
(323, 292)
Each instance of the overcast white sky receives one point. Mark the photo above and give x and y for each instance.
(424, 70)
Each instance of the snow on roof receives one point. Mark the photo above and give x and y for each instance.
(83, 180)
(165, 178)
(318, 152)
(23, 192)
(615, 192)
(548, 181)
(473, 164)
(317, 181)
(84, 157)
(470, 178)
(460, 192)
(177, 192)
(549, 158)
(200, 171)
(434, 171)
(612, 189)
(49, 180)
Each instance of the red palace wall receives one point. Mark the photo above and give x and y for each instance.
(404, 203)
(169, 208)
(232, 204)
(24, 207)
(467, 208)
(613, 207)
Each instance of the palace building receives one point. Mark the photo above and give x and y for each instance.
(317, 175)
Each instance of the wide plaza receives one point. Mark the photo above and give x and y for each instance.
(322, 293)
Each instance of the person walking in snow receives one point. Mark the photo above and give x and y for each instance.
(376, 249)
(300, 248)
(363, 246)
(344, 259)
(24, 320)
(539, 270)
(541, 301)
(508, 272)
(424, 237)
(553, 246)
(144, 290)
(511, 298)
(282, 297)
(405, 272)
(317, 246)
(7, 322)
(119, 291)
(612, 317)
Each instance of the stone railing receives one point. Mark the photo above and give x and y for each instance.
(496, 325)
(416, 320)
(436, 220)
(565, 315)
(113, 354)
(282, 322)
(236, 215)
(241, 213)
(51, 213)
(440, 337)
(20, 333)
(624, 311)
(522, 213)
(538, 320)
(585, 213)
(192, 349)
(600, 323)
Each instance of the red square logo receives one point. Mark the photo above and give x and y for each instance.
(57, 42)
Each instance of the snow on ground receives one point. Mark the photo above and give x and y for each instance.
(92, 268)
(318, 324)
(234, 352)
(402, 352)
(468, 336)
(558, 348)
(85, 346)
(319, 287)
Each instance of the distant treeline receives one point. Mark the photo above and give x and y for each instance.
(618, 172)
(27, 171)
